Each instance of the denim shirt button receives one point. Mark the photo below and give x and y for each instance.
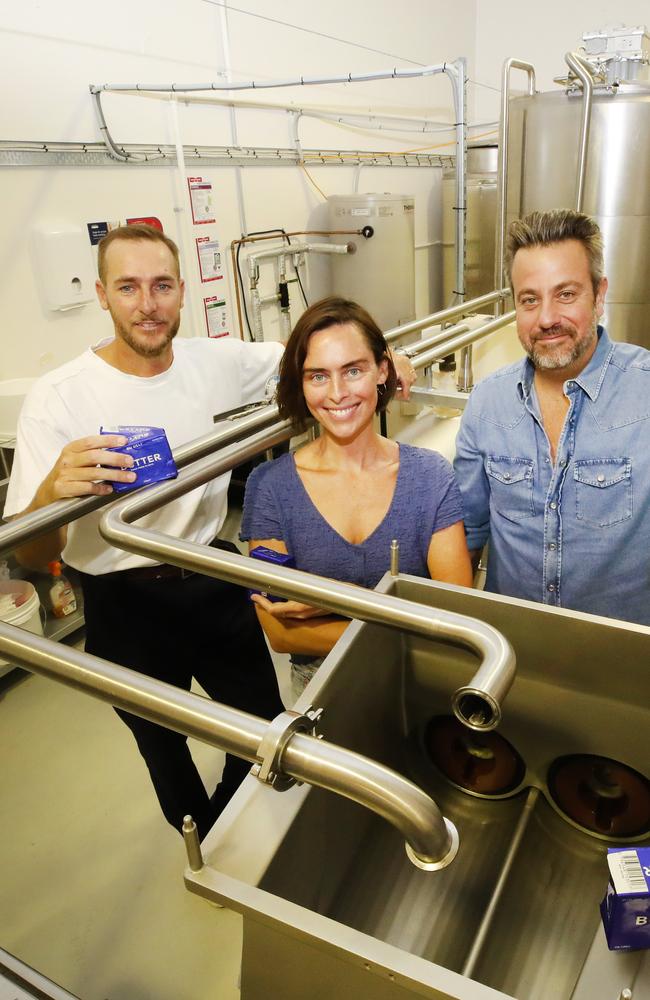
(600, 478)
(553, 505)
(551, 588)
(552, 546)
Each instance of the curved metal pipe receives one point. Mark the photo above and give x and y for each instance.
(432, 841)
(478, 705)
(583, 71)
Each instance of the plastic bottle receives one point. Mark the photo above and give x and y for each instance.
(62, 599)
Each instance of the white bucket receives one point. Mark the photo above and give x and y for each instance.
(27, 615)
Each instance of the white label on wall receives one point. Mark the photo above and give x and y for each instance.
(201, 201)
(216, 318)
(209, 254)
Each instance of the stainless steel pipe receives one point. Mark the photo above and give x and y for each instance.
(432, 841)
(40, 522)
(502, 172)
(445, 315)
(477, 705)
(448, 346)
(583, 70)
(433, 341)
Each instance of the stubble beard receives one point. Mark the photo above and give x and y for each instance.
(142, 347)
(563, 358)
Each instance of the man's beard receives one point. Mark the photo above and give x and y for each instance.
(144, 349)
(563, 357)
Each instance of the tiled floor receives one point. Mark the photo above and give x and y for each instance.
(91, 876)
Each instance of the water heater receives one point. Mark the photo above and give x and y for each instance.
(380, 273)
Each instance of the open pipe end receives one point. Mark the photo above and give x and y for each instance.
(431, 864)
(476, 709)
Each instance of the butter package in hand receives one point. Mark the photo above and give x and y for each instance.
(270, 556)
(152, 457)
(625, 910)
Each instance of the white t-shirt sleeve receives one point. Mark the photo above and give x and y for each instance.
(39, 441)
(259, 363)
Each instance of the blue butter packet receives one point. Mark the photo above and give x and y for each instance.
(152, 457)
(625, 910)
(271, 556)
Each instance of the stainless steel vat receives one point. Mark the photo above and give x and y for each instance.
(481, 180)
(542, 171)
(331, 905)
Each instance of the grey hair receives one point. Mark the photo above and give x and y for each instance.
(541, 229)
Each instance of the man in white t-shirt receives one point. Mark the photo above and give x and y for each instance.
(155, 619)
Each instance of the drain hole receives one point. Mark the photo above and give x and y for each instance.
(601, 795)
(484, 763)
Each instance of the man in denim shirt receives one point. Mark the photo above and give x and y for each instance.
(552, 452)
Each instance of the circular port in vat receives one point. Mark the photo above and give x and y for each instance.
(483, 763)
(601, 795)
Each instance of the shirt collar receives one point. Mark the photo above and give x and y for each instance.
(590, 378)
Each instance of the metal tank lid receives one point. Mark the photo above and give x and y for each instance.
(602, 92)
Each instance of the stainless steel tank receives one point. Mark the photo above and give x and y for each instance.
(481, 200)
(380, 274)
(542, 170)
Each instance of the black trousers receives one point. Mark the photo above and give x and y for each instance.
(176, 629)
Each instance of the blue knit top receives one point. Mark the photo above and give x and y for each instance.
(426, 500)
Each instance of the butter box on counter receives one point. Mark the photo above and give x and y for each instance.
(152, 457)
(625, 910)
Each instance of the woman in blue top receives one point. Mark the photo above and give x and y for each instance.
(336, 504)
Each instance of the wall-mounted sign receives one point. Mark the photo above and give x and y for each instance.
(201, 201)
(209, 254)
(216, 316)
(147, 220)
(97, 231)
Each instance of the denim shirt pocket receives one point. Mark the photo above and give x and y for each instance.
(511, 486)
(603, 490)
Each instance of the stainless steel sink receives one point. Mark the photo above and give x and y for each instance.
(332, 906)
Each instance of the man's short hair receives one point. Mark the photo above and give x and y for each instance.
(541, 229)
(138, 231)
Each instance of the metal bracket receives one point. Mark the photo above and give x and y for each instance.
(273, 744)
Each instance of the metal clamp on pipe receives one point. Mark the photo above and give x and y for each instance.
(274, 742)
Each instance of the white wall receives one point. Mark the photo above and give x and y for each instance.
(48, 68)
(539, 34)
(52, 52)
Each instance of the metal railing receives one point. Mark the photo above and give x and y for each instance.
(445, 315)
(431, 840)
(477, 704)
